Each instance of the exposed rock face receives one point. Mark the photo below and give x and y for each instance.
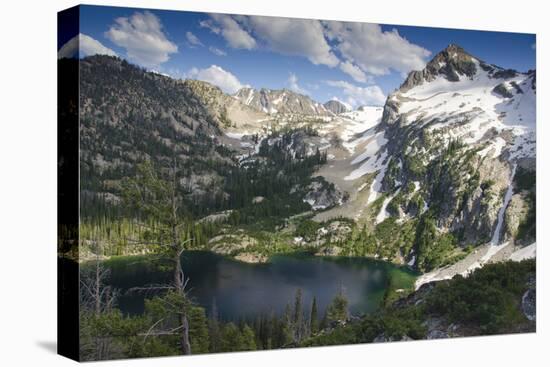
(300, 143)
(257, 199)
(458, 146)
(437, 334)
(329, 251)
(228, 111)
(251, 258)
(336, 107)
(282, 101)
(199, 185)
(529, 304)
(504, 73)
(529, 300)
(216, 217)
(382, 338)
(231, 244)
(128, 116)
(450, 63)
(533, 75)
(322, 195)
(515, 214)
(502, 90)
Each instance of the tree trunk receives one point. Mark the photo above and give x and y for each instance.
(185, 345)
(97, 288)
(182, 318)
(178, 271)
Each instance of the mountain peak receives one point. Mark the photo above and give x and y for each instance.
(273, 101)
(451, 63)
(452, 54)
(336, 107)
(454, 48)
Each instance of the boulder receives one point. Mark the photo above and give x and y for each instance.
(437, 334)
(529, 304)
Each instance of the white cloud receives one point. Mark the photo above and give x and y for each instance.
(355, 72)
(192, 39)
(230, 30)
(299, 37)
(210, 25)
(359, 96)
(143, 38)
(293, 84)
(83, 45)
(375, 51)
(217, 76)
(302, 37)
(216, 51)
(363, 49)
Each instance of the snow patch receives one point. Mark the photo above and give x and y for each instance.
(372, 147)
(527, 252)
(376, 185)
(371, 165)
(383, 214)
(235, 135)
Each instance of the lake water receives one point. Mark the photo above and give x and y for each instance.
(243, 290)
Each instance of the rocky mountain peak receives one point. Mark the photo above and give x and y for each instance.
(451, 63)
(280, 101)
(336, 107)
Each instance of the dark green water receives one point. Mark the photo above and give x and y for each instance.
(244, 290)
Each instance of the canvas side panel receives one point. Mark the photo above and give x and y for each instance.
(68, 184)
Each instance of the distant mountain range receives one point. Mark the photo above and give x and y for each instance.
(281, 101)
(451, 155)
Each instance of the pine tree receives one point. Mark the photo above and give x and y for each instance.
(286, 327)
(298, 318)
(338, 309)
(198, 331)
(313, 318)
(248, 338)
(231, 339)
(155, 196)
(214, 328)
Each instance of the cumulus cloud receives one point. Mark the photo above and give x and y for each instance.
(297, 37)
(216, 51)
(217, 76)
(301, 37)
(192, 39)
(359, 96)
(361, 50)
(355, 72)
(230, 30)
(143, 38)
(83, 45)
(293, 84)
(373, 50)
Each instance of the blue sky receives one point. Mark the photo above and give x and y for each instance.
(358, 63)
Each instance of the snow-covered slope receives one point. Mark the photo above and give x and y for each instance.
(472, 101)
(444, 145)
(459, 128)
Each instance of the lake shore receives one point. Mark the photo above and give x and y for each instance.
(368, 283)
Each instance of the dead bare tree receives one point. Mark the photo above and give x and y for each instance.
(96, 299)
(155, 196)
